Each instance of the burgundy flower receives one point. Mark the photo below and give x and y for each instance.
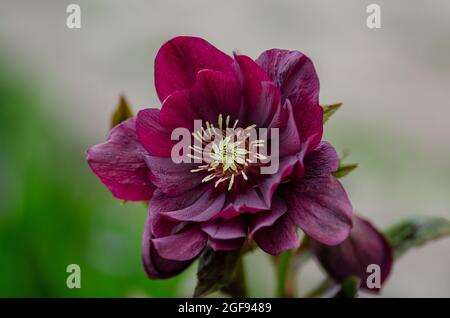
(226, 200)
(364, 246)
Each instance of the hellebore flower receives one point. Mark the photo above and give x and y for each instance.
(224, 199)
(365, 246)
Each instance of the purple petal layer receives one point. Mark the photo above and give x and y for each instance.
(152, 135)
(179, 60)
(249, 200)
(279, 237)
(197, 205)
(226, 229)
(289, 142)
(321, 209)
(270, 183)
(182, 246)
(178, 111)
(294, 73)
(120, 165)
(267, 218)
(319, 204)
(171, 178)
(227, 245)
(155, 266)
(216, 93)
(365, 246)
(262, 98)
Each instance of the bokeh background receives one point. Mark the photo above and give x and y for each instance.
(58, 88)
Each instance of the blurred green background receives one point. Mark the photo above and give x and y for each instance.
(58, 88)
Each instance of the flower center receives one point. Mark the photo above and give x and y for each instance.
(226, 151)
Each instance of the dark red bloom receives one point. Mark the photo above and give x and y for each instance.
(365, 246)
(225, 202)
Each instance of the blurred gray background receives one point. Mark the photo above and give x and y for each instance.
(394, 83)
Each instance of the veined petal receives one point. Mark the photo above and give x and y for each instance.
(197, 205)
(179, 60)
(155, 137)
(178, 111)
(267, 218)
(155, 266)
(173, 178)
(120, 165)
(279, 237)
(182, 246)
(365, 246)
(214, 94)
(295, 75)
(261, 96)
(225, 229)
(321, 208)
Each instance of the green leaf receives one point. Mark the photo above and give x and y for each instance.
(345, 169)
(349, 288)
(123, 112)
(329, 110)
(415, 232)
(216, 270)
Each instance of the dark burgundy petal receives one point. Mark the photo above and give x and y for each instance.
(120, 165)
(178, 111)
(222, 229)
(365, 246)
(197, 205)
(269, 184)
(179, 60)
(267, 218)
(322, 161)
(227, 245)
(294, 73)
(216, 93)
(173, 178)
(182, 246)
(321, 208)
(289, 143)
(155, 137)
(155, 266)
(261, 96)
(248, 200)
(279, 237)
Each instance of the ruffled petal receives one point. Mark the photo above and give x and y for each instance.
(216, 93)
(270, 183)
(179, 60)
(279, 237)
(155, 137)
(177, 111)
(155, 266)
(321, 208)
(197, 205)
(182, 246)
(294, 73)
(247, 201)
(261, 96)
(225, 229)
(173, 178)
(365, 246)
(267, 218)
(321, 162)
(120, 165)
(289, 143)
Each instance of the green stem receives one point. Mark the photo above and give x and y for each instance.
(284, 272)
